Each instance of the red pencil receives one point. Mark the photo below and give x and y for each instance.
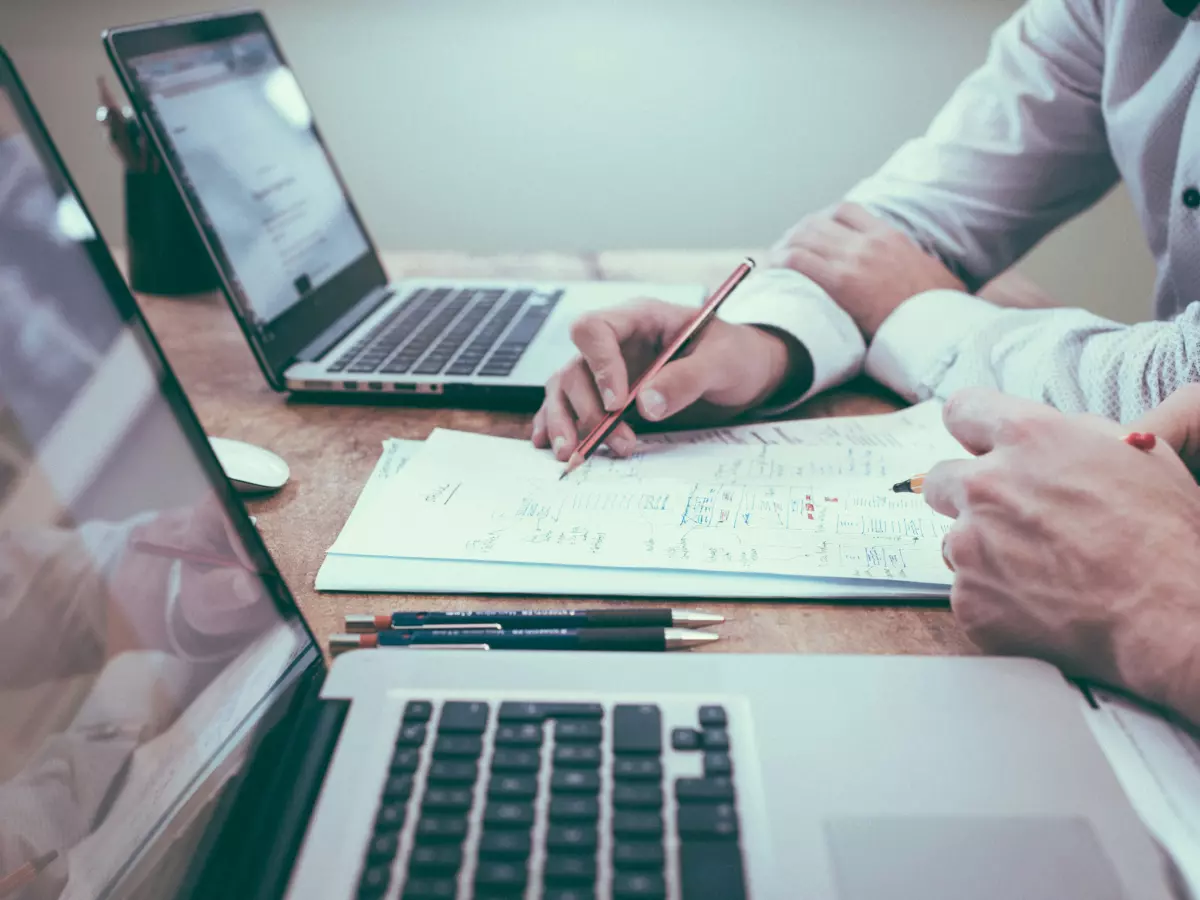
(18, 878)
(706, 315)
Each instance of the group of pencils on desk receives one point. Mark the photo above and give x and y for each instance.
(651, 630)
(125, 133)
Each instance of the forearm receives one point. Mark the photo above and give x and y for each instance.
(1071, 359)
(1019, 148)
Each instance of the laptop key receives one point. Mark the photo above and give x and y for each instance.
(713, 717)
(711, 869)
(435, 858)
(638, 855)
(574, 781)
(635, 795)
(448, 799)
(508, 815)
(390, 817)
(411, 735)
(463, 718)
(640, 886)
(441, 829)
(579, 732)
(685, 739)
(637, 729)
(505, 845)
(574, 892)
(382, 847)
(711, 821)
(397, 787)
(581, 756)
(573, 869)
(495, 873)
(507, 759)
(574, 809)
(418, 711)
(717, 764)
(637, 769)
(406, 759)
(513, 787)
(528, 734)
(637, 824)
(537, 712)
(451, 772)
(431, 889)
(703, 790)
(374, 881)
(716, 739)
(574, 838)
(457, 746)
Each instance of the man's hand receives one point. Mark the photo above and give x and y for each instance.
(729, 369)
(867, 266)
(1073, 547)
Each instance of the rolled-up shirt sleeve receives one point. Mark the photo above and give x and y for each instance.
(941, 341)
(787, 301)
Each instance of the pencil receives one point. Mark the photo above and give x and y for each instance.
(706, 315)
(195, 556)
(18, 878)
(1139, 440)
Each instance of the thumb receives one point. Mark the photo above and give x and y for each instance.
(1177, 422)
(675, 388)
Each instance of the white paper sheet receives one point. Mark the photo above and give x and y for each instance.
(810, 511)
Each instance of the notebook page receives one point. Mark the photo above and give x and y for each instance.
(776, 509)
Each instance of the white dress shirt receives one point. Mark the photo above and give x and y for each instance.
(1074, 95)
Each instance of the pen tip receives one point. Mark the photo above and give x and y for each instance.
(903, 487)
(687, 618)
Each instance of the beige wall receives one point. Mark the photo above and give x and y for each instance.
(566, 124)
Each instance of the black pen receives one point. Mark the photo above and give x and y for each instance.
(536, 618)
(648, 639)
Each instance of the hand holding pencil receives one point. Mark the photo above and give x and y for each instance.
(723, 371)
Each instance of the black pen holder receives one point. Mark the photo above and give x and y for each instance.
(166, 255)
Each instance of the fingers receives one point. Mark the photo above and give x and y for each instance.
(570, 411)
(945, 486)
(806, 262)
(600, 337)
(676, 387)
(981, 419)
(1177, 421)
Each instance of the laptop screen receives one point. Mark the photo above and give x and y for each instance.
(139, 642)
(242, 139)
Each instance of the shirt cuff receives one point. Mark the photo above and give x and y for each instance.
(917, 343)
(786, 300)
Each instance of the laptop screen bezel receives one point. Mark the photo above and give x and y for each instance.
(308, 660)
(278, 344)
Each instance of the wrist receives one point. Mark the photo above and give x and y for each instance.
(1157, 649)
(789, 367)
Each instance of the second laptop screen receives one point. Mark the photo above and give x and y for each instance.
(243, 135)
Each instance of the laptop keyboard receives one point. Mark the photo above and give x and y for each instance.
(451, 331)
(561, 801)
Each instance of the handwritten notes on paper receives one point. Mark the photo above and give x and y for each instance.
(804, 509)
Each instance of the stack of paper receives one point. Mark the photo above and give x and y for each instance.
(789, 510)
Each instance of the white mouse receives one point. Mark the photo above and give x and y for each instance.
(252, 469)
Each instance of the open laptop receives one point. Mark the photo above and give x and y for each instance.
(169, 728)
(297, 265)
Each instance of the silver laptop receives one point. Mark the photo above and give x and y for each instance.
(169, 728)
(295, 260)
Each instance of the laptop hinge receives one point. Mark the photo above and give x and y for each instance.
(344, 324)
(262, 828)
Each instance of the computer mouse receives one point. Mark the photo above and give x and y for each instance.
(252, 469)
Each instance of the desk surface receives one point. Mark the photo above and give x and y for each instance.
(331, 450)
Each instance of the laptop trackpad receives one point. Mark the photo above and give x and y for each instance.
(984, 859)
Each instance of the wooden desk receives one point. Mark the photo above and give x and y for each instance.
(332, 449)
